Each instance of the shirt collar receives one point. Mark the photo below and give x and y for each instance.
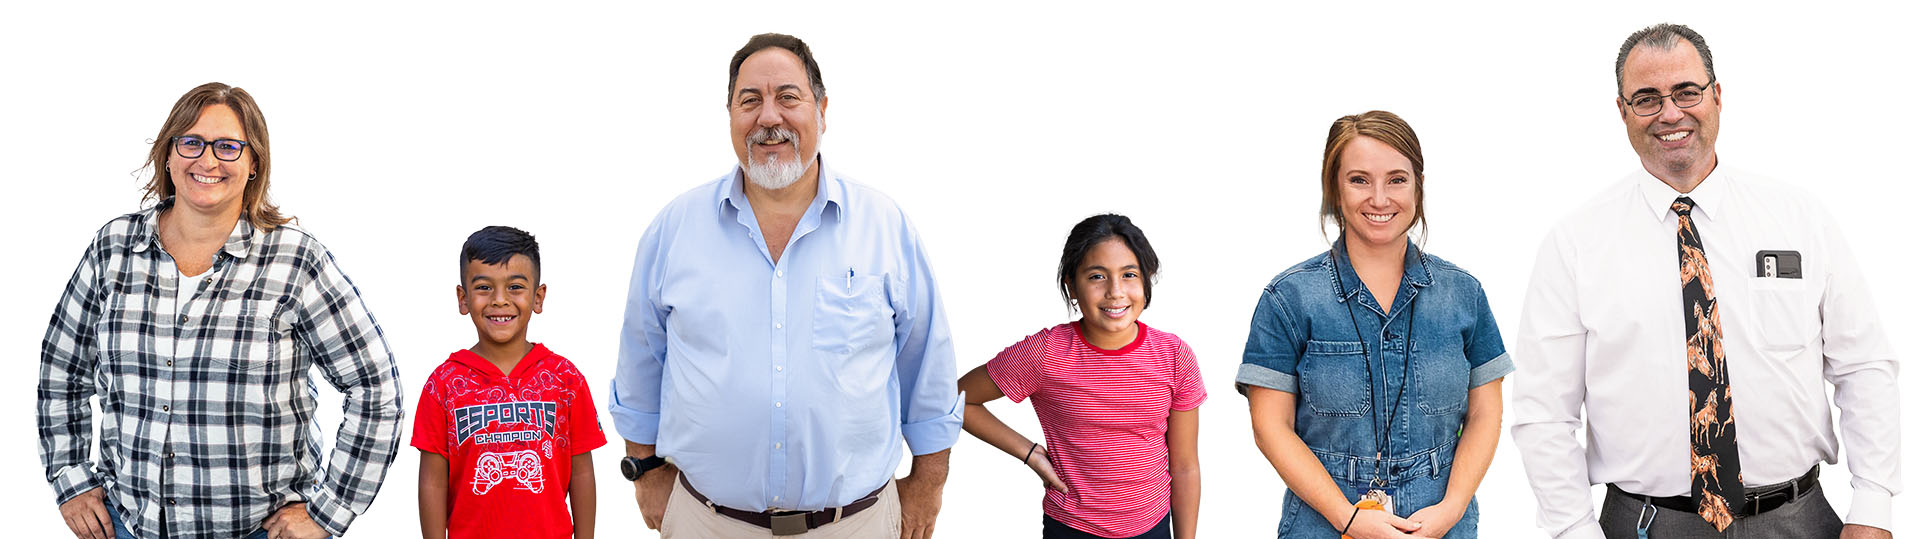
(832, 190)
(146, 232)
(1709, 198)
(1346, 283)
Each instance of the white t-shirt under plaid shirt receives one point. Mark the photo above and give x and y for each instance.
(208, 408)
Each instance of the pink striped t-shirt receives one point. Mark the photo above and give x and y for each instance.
(1104, 414)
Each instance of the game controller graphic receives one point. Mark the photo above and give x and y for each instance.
(523, 466)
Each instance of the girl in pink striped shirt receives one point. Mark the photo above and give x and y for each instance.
(1118, 401)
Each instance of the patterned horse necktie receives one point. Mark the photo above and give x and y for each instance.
(1717, 492)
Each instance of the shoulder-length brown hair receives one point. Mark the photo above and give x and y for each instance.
(1387, 128)
(254, 206)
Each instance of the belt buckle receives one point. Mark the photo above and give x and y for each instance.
(794, 523)
(1757, 505)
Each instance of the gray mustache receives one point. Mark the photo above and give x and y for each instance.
(766, 133)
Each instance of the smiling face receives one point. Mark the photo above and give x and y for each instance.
(777, 122)
(1110, 289)
(501, 298)
(1377, 196)
(1675, 145)
(206, 184)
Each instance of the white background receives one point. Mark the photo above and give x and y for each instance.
(398, 130)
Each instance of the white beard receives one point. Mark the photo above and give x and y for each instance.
(776, 175)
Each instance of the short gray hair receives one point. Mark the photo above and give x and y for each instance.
(1662, 36)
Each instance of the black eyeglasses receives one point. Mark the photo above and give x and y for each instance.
(1649, 104)
(192, 147)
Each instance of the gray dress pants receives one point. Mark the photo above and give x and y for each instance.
(1809, 517)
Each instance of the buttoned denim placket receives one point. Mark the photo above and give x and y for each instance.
(1376, 340)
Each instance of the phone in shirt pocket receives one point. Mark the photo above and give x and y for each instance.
(1784, 306)
(1777, 264)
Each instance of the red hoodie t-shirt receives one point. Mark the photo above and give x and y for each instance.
(509, 441)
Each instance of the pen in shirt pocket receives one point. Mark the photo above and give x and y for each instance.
(849, 279)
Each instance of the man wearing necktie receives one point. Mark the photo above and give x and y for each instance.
(1685, 305)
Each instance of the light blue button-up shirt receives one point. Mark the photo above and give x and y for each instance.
(785, 385)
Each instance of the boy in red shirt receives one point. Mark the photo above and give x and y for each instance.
(504, 428)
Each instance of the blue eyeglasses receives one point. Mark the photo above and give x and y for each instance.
(192, 147)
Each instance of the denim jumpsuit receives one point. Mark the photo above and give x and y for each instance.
(1304, 342)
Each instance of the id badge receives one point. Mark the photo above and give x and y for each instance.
(1380, 495)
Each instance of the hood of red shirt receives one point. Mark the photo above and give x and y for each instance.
(466, 358)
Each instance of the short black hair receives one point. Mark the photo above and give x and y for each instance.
(497, 245)
(1093, 230)
(770, 40)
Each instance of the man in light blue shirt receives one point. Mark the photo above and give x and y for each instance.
(783, 335)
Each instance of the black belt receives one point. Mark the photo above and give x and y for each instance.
(1759, 499)
(788, 522)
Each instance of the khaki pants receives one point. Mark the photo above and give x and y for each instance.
(687, 518)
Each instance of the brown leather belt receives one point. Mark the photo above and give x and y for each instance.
(1759, 499)
(788, 522)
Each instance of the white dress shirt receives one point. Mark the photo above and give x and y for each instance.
(1603, 329)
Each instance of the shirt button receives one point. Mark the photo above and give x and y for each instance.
(777, 368)
(776, 404)
(776, 445)
(170, 501)
(778, 273)
(165, 408)
(169, 455)
(776, 325)
(169, 363)
(183, 319)
(776, 498)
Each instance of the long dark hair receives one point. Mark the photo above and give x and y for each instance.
(1093, 230)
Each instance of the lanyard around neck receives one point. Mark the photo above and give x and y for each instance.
(1383, 436)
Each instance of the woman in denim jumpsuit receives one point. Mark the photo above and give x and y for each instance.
(1352, 389)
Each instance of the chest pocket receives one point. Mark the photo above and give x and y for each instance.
(1785, 313)
(1440, 377)
(247, 341)
(853, 338)
(1333, 379)
(851, 317)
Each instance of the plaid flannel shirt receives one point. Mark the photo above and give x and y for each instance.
(208, 416)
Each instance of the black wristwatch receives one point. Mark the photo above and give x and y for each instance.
(632, 468)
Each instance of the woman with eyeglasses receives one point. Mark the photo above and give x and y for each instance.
(1372, 371)
(196, 322)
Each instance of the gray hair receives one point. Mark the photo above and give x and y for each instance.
(1662, 36)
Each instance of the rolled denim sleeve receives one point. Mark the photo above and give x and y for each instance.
(1485, 351)
(1272, 357)
(929, 385)
(635, 397)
